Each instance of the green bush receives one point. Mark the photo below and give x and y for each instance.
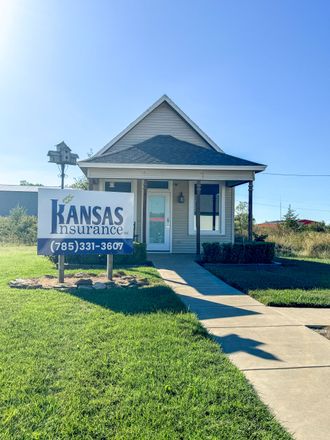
(18, 227)
(139, 256)
(239, 253)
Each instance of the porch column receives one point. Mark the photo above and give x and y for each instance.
(144, 211)
(250, 211)
(198, 219)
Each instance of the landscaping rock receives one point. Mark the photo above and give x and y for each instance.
(99, 286)
(79, 275)
(94, 281)
(85, 274)
(84, 282)
(24, 284)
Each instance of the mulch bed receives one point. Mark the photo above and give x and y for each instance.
(80, 280)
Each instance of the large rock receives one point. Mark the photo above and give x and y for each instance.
(84, 282)
(20, 283)
(99, 286)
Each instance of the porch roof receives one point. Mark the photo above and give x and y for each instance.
(168, 150)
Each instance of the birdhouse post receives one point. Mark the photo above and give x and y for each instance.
(63, 157)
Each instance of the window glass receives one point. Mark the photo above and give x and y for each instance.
(156, 207)
(118, 186)
(209, 207)
(158, 184)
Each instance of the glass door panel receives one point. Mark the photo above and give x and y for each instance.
(156, 219)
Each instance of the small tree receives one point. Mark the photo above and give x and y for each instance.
(26, 183)
(317, 227)
(241, 219)
(22, 228)
(290, 220)
(80, 183)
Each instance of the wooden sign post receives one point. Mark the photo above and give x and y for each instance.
(109, 266)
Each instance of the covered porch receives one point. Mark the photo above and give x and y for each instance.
(177, 210)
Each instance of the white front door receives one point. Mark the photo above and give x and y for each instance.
(158, 221)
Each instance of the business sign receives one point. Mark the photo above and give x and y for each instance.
(84, 222)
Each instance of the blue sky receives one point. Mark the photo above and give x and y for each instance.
(254, 75)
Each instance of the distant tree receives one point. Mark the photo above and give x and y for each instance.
(290, 220)
(21, 228)
(241, 219)
(26, 183)
(318, 227)
(16, 214)
(79, 183)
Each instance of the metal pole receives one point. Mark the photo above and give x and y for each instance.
(198, 219)
(109, 266)
(250, 212)
(144, 212)
(62, 175)
(60, 262)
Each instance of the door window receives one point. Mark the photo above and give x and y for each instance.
(157, 207)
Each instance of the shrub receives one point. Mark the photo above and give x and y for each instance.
(18, 227)
(139, 256)
(259, 237)
(239, 253)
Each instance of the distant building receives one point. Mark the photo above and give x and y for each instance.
(274, 223)
(18, 195)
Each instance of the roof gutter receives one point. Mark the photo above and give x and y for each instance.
(257, 168)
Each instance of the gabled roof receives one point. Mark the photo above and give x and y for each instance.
(160, 101)
(169, 151)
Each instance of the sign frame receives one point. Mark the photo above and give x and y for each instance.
(75, 222)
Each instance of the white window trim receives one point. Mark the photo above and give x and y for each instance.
(133, 183)
(160, 190)
(222, 192)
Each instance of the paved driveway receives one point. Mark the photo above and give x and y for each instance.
(287, 363)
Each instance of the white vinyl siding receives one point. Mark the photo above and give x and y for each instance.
(183, 242)
(162, 121)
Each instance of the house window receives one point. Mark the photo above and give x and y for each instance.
(157, 184)
(118, 186)
(211, 208)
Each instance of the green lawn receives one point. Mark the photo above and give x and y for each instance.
(125, 364)
(297, 282)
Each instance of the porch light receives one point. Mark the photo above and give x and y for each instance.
(181, 198)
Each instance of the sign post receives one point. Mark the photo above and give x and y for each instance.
(109, 266)
(62, 156)
(73, 222)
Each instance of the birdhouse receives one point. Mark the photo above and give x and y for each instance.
(62, 155)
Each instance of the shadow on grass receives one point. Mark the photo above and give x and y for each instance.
(133, 300)
(293, 274)
(153, 299)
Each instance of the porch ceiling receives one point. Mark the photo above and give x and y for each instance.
(233, 177)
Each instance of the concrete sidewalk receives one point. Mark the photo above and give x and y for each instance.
(287, 363)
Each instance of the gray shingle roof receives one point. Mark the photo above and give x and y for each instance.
(168, 150)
